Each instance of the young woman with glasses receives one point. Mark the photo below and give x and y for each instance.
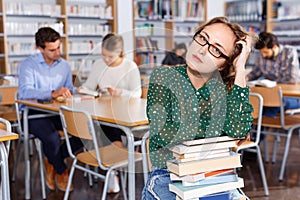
(206, 97)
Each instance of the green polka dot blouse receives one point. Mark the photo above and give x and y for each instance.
(178, 112)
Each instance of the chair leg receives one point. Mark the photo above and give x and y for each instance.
(286, 151)
(262, 171)
(105, 188)
(266, 150)
(274, 153)
(67, 192)
(123, 183)
(17, 158)
(40, 154)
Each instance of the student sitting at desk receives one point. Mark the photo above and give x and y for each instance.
(176, 56)
(46, 75)
(277, 63)
(118, 76)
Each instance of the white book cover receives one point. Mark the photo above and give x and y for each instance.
(263, 83)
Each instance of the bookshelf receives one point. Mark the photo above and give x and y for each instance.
(283, 20)
(251, 14)
(81, 24)
(158, 24)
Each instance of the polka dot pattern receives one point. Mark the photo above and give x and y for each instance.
(178, 112)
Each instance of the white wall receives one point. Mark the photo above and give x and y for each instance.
(215, 8)
(125, 25)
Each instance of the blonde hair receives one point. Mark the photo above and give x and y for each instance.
(113, 42)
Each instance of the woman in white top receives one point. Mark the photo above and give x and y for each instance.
(114, 73)
(118, 76)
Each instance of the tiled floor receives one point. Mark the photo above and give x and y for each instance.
(288, 189)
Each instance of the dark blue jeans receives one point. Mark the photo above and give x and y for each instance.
(45, 129)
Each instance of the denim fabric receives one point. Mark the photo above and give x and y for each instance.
(157, 186)
(290, 103)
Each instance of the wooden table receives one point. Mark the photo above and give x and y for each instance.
(292, 90)
(121, 112)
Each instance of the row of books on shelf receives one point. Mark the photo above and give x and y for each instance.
(205, 169)
(145, 62)
(17, 28)
(99, 10)
(189, 10)
(85, 47)
(146, 44)
(164, 9)
(286, 10)
(88, 29)
(245, 10)
(22, 8)
(152, 9)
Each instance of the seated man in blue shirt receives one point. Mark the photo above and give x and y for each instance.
(46, 75)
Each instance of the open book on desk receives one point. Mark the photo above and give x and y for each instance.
(83, 90)
(262, 82)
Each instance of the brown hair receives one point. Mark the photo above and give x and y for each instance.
(45, 34)
(228, 71)
(113, 42)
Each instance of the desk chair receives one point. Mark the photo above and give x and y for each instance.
(256, 101)
(38, 148)
(8, 100)
(77, 123)
(287, 123)
(4, 152)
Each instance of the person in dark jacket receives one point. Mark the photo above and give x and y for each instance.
(176, 56)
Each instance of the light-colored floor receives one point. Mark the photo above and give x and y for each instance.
(288, 189)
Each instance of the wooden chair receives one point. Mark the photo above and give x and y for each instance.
(256, 101)
(77, 123)
(37, 144)
(285, 123)
(5, 136)
(7, 104)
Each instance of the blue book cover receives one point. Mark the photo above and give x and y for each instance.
(218, 196)
(224, 178)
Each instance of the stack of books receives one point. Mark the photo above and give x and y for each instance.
(205, 169)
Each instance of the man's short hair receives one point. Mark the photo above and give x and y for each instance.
(266, 39)
(45, 34)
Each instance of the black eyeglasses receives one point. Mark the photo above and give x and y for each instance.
(213, 50)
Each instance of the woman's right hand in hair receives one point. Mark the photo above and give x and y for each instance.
(241, 59)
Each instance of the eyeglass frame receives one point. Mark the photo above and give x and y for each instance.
(222, 55)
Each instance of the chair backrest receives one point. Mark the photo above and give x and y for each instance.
(8, 95)
(272, 96)
(6, 125)
(78, 123)
(256, 101)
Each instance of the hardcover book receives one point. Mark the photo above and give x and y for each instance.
(202, 155)
(224, 178)
(199, 176)
(206, 165)
(182, 149)
(191, 192)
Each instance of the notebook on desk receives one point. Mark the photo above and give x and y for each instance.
(83, 90)
(262, 82)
